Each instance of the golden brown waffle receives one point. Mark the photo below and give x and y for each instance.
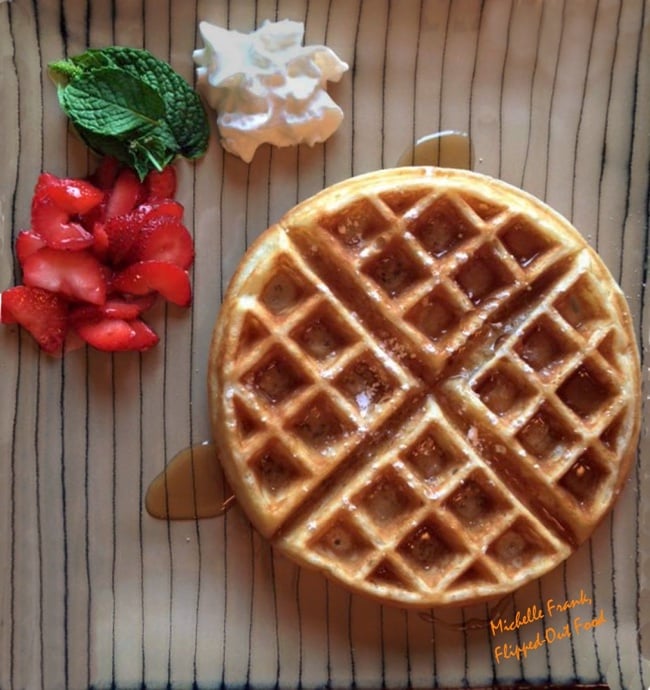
(425, 384)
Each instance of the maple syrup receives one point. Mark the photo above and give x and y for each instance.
(448, 149)
(190, 487)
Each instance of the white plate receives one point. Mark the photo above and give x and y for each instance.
(93, 591)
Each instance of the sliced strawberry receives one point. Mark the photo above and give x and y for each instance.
(115, 335)
(74, 196)
(110, 335)
(144, 277)
(52, 223)
(128, 306)
(164, 238)
(97, 214)
(77, 275)
(126, 194)
(122, 232)
(100, 245)
(106, 173)
(42, 313)
(27, 243)
(144, 338)
(162, 207)
(43, 183)
(114, 308)
(161, 184)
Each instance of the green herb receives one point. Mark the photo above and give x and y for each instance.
(126, 103)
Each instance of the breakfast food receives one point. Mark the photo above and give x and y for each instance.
(424, 383)
(266, 87)
(95, 258)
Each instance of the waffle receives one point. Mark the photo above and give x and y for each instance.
(424, 383)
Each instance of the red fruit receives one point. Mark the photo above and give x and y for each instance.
(82, 231)
(110, 335)
(164, 238)
(122, 232)
(44, 181)
(106, 173)
(162, 207)
(115, 335)
(77, 275)
(126, 194)
(42, 313)
(100, 245)
(113, 308)
(144, 337)
(161, 184)
(27, 243)
(74, 196)
(52, 223)
(144, 277)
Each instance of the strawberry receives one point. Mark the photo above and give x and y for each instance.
(74, 196)
(106, 334)
(100, 244)
(42, 313)
(51, 222)
(106, 173)
(164, 238)
(88, 235)
(27, 243)
(126, 194)
(76, 275)
(114, 308)
(115, 335)
(161, 184)
(144, 337)
(122, 232)
(162, 207)
(144, 277)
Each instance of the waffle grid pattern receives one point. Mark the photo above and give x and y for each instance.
(477, 331)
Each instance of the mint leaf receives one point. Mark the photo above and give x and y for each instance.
(126, 103)
(110, 101)
(184, 107)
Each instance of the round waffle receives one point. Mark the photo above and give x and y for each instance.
(424, 383)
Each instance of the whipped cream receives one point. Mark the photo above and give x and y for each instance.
(266, 87)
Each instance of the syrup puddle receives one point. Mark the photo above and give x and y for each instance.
(189, 487)
(448, 149)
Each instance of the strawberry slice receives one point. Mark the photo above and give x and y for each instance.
(164, 238)
(144, 336)
(123, 308)
(116, 335)
(77, 275)
(126, 194)
(106, 173)
(144, 277)
(100, 245)
(161, 184)
(122, 231)
(27, 243)
(52, 223)
(162, 207)
(74, 196)
(110, 335)
(42, 313)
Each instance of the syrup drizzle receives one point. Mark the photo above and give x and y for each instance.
(448, 149)
(190, 487)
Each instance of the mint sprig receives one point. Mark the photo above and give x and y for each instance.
(126, 103)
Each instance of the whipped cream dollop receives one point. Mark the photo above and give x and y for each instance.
(266, 87)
